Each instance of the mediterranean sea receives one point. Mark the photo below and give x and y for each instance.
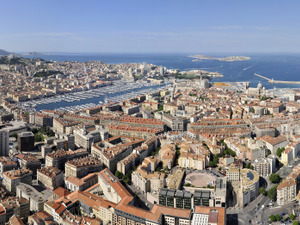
(277, 66)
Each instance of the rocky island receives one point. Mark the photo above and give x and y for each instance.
(227, 59)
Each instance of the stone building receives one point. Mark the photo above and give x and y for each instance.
(50, 177)
(14, 177)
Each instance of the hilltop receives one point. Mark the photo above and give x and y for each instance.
(3, 52)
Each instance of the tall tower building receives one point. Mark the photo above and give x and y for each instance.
(25, 141)
(4, 143)
(162, 70)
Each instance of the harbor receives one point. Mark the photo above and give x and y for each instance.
(75, 101)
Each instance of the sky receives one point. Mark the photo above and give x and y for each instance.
(150, 26)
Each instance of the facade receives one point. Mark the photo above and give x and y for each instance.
(14, 177)
(220, 193)
(63, 125)
(290, 153)
(43, 119)
(174, 123)
(81, 167)
(128, 163)
(133, 131)
(50, 177)
(249, 185)
(265, 166)
(85, 136)
(192, 161)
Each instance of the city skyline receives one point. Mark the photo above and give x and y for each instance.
(150, 27)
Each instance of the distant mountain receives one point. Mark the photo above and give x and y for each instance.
(3, 52)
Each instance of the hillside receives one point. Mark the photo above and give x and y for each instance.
(3, 52)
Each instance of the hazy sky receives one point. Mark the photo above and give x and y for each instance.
(150, 25)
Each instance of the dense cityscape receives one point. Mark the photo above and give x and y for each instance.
(187, 151)
(149, 112)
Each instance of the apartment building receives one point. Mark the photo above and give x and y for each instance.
(13, 178)
(28, 161)
(41, 218)
(86, 135)
(50, 177)
(35, 198)
(81, 184)
(64, 126)
(290, 153)
(274, 143)
(128, 163)
(81, 167)
(193, 156)
(6, 164)
(133, 131)
(175, 123)
(60, 157)
(42, 119)
(247, 182)
(265, 166)
(167, 155)
(287, 190)
(112, 150)
(15, 206)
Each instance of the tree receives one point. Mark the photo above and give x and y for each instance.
(274, 178)
(211, 164)
(38, 137)
(278, 217)
(160, 107)
(230, 152)
(292, 216)
(272, 193)
(248, 166)
(262, 190)
(272, 218)
(279, 151)
(295, 223)
(118, 174)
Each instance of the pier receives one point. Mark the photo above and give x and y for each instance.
(277, 81)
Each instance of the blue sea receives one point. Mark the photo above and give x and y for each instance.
(276, 66)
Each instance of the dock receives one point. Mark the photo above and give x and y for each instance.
(277, 81)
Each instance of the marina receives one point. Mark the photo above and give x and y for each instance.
(75, 101)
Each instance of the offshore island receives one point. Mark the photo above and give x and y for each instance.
(226, 59)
